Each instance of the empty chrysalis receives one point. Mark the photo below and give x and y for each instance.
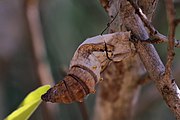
(89, 60)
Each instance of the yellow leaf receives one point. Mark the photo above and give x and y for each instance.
(29, 104)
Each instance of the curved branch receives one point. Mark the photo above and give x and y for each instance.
(154, 66)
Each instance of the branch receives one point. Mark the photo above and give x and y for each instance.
(166, 85)
(143, 17)
(160, 38)
(171, 16)
(121, 78)
(42, 69)
(155, 36)
(168, 78)
(148, 7)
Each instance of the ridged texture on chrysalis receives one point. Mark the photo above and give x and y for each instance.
(89, 60)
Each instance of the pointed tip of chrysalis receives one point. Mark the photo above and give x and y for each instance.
(45, 97)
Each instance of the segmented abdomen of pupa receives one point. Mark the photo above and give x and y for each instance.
(84, 71)
(83, 74)
(75, 86)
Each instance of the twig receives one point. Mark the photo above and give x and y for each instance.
(148, 7)
(153, 64)
(143, 17)
(109, 23)
(42, 69)
(160, 38)
(155, 36)
(171, 17)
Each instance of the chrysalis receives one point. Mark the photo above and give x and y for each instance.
(89, 60)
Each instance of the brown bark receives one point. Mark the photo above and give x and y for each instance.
(162, 77)
(119, 91)
(131, 20)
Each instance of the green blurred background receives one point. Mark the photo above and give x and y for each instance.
(65, 24)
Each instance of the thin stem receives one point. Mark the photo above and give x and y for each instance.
(155, 36)
(171, 20)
